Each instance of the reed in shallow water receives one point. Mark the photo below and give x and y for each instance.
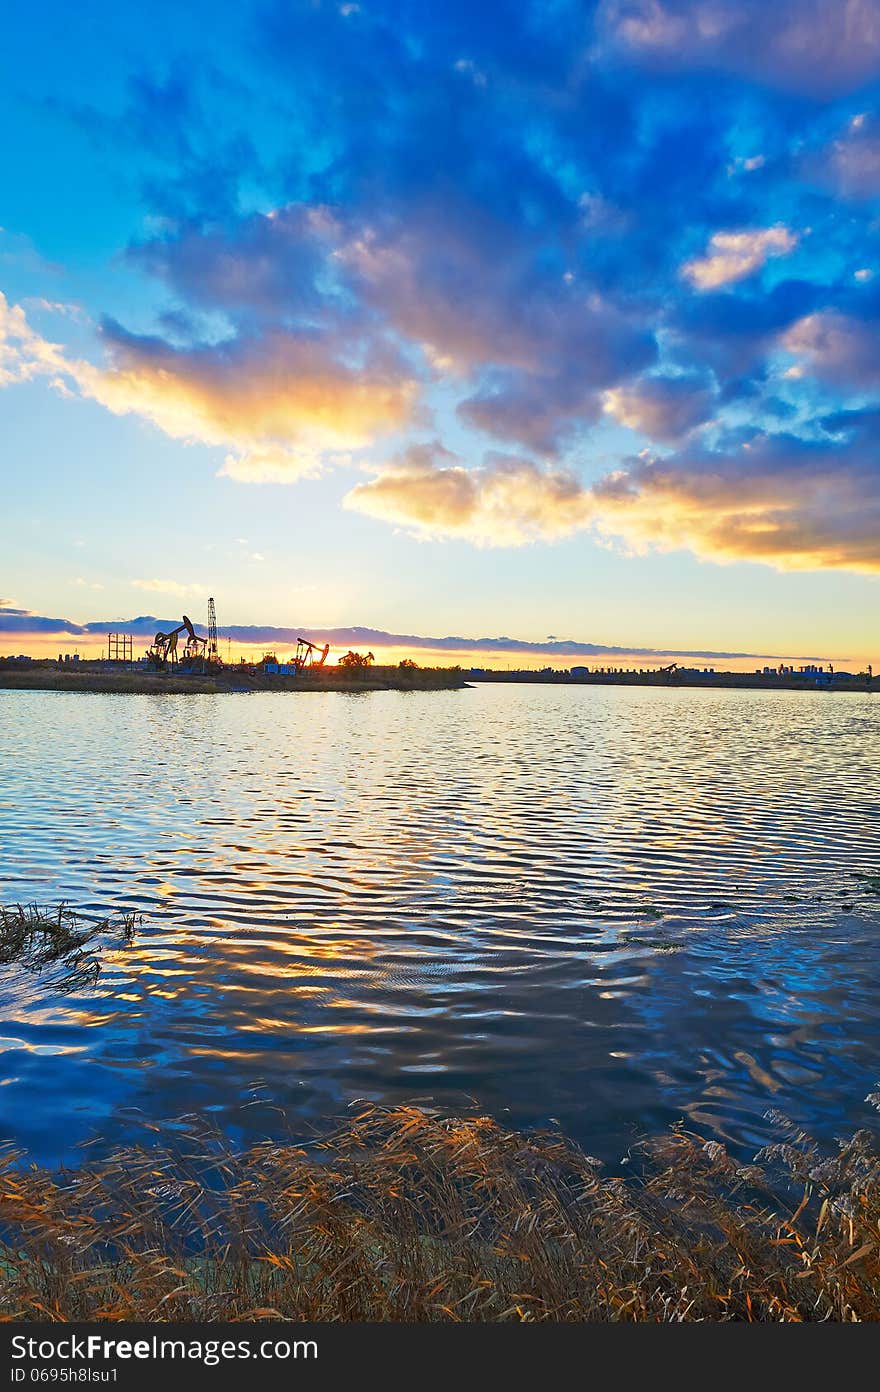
(35, 938)
(401, 1215)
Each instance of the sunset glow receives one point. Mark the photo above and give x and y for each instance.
(371, 316)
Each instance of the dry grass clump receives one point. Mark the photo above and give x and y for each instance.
(35, 938)
(404, 1216)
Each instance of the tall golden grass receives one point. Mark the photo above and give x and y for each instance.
(400, 1215)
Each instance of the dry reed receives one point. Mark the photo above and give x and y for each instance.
(35, 938)
(404, 1216)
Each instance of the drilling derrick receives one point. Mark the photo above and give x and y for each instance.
(213, 652)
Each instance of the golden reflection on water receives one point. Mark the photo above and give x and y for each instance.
(600, 905)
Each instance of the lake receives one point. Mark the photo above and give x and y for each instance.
(609, 908)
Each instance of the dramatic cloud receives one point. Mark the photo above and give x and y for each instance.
(264, 263)
(735, 331)
(776, 499)
(663, 408)
(820, 47)
(514, 233)
(795, 505)
(276, 400)
(585, 346)
(275, 391)
(839, 349)
(454, 281)
(507, 502)
(734, 255)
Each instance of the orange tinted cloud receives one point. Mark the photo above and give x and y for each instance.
(508, 501)
(777, 500)
(788, 504)
(275, 402)
(278, 404)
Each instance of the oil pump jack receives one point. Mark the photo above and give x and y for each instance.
(164, 649)
(305, 654)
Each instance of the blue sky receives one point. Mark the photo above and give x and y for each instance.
(518, 318)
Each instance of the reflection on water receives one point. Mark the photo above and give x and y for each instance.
(610, 907)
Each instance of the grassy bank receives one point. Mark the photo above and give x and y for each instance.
(38, 678)
(399, 1215)
(104, 683)
(35, 939)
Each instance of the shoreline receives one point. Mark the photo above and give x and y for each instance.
(92, 682)
(717, 681)
(103, 682)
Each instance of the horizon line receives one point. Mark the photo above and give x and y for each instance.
(146, 625)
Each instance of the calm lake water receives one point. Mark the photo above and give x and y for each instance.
(609, 907)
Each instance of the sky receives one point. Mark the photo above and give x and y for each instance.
(539, 319)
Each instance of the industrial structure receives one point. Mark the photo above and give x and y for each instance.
(163, 653)
(213, 653)
(308, 655)
(119, 647)
(200, 655)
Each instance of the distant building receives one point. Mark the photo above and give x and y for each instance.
(580, 671)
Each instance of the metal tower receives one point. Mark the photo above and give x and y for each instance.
(213, 653)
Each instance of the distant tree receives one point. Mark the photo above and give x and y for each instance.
(408, 665)
(353, 659)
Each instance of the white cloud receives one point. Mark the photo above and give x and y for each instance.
(731, 256)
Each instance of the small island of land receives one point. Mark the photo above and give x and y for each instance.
(362, 674)
(105, 677)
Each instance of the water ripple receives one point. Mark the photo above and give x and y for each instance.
(613, 907)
